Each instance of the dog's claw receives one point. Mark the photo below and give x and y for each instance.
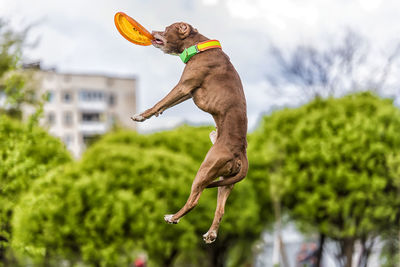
(210, 237)
(138, 117)
(168, 219)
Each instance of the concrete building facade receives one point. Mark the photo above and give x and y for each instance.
(82, 106)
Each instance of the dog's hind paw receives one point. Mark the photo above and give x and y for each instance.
(210, 237)
(168, 219)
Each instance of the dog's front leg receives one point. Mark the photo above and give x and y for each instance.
(177, 95)
(176, 103)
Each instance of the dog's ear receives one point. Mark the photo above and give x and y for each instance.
(184, 30)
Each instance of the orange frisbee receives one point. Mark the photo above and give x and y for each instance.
(131, 30)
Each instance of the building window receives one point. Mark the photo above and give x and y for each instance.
(50, 96)
(3, 99)
(67, 97)
(90, 96)
(91, 117)
(68, 118)
(88, 140)
(67, 78)
(51, 118)
(113, 120)
(110, 82)
(68, 140)
(112, 100)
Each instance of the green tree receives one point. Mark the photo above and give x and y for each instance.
(26, 153)
(110, 205)
(391, 235)
(390, 254)
(238, 231)
(331, 158)
(105, 207)
(16, 86)
(190, 141)
(10, 47)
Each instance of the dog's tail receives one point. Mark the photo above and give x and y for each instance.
(234, 179)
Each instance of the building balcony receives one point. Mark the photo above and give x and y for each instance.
(92, 105)
(94, 127)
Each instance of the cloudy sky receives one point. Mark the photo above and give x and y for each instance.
(80, 36)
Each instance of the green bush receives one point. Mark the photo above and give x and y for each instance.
(330, 160)
(109, 206)
(26, 153)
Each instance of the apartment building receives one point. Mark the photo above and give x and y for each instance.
(81, 107)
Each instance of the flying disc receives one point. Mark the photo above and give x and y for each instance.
(131, 30)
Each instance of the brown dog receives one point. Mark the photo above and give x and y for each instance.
(213, 83)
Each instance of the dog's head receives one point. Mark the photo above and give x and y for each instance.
(172, 40)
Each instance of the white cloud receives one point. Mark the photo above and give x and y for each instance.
(80, 35)
(210, 2)
(370, 5)
(246, 9)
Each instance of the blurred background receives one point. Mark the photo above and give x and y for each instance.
(82, 185)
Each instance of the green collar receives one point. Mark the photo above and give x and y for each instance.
(189, 52)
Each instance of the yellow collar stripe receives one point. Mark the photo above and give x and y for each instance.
(208, 45)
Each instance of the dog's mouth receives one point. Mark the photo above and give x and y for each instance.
(158, 40)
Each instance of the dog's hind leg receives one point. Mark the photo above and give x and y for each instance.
(223, 193)
(197, 188)
(218, 162)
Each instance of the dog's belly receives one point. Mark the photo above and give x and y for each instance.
(212, 101)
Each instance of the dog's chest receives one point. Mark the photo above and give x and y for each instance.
(201, 99)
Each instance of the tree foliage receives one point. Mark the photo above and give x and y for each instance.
(238, 231)
(26, 153)
(10, 47)
(330, 159)
(16, 87)
(99, 212)
(110, 205)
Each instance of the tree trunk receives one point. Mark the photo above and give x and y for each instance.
(279, 249)
(168, 262)
(365, 251)
(2, 254)
(3, 260)
(320, 249)
(47, 259)
(217, 253)
(348, 250)
(276, 250)
(283, 253)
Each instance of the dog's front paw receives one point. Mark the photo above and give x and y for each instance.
(168, 219)
(138, 117)
(210, 237)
